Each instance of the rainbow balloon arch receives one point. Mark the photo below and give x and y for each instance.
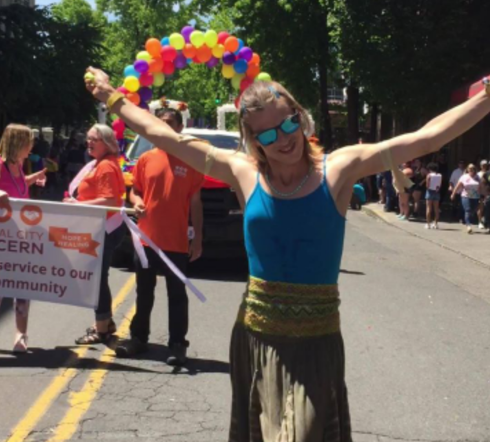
(162, 58)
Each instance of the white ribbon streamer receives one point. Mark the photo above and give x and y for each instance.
(84, 171)
(137, 236)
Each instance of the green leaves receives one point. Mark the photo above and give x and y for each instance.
(45, 56)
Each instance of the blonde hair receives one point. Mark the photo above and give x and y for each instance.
(107, 136)
(15, 138)
(470, 166)
(255, 98)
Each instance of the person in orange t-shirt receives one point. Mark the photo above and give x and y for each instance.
(164, 190)
(102, 186)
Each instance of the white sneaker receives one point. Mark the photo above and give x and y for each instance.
(435, 226)
(427, 226)
(469, 229)
(20, 345)
(481, 226)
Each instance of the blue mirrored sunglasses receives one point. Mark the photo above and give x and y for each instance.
(290, 125)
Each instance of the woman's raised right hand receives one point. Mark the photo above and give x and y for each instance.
(98, 84)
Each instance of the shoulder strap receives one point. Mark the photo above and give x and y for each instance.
(325, 167)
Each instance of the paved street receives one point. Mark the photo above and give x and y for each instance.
(415, 317)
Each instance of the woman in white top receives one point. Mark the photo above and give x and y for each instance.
(469, 183)
(433, 195)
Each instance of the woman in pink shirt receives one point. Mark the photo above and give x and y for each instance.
(15, 146)
(469, 183)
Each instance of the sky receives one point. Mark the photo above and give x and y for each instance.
(50, 2)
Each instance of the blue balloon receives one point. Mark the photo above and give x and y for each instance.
(241, 44)
(130, 71)
(240, 66)
(165, 41)
(189, 60)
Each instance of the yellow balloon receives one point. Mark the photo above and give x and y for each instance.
(218, 51)
(143, 55)
(176, 41)
(132, 84)
(158, 79)
(197, 39)
(228, 71)
(89, 76)
(211, 38)
(236, 80)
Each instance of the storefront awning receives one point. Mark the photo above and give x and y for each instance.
(462, 94)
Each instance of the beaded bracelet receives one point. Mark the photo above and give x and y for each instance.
(113, 99)
(486, 84)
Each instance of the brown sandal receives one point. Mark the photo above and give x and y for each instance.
(93, 338)
(111, 328)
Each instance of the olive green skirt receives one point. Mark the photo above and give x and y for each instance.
(288, 382)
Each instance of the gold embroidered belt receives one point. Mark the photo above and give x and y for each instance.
(291, 310)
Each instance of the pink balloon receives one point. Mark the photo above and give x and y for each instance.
(168, 53)
(146, 79)
(123, 90)
(245, 83)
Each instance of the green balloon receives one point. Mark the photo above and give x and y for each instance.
(197, 39)
(263, 76)
(236, 80)
(143, 55)
(89, 76)
(177, 41)
(158, 79)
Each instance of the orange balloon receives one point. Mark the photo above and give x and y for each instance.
(156, 65)
(134, 98)
(204, 54)
(153, 47)
(231, 44)
(255, 59)
(253, 70)
(189, 51)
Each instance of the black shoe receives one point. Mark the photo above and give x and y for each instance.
(178, 353)
(129, 348)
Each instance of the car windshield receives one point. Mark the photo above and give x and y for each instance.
(142, 145)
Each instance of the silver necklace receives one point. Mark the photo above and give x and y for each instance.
(293, 192)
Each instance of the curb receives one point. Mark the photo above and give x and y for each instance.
(374, 214)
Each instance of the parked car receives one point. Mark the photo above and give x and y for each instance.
(223, 216)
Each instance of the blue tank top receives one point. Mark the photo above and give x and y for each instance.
(297, 241)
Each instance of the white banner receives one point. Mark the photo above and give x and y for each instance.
(51, 252)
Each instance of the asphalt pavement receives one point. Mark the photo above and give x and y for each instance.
(415, 316)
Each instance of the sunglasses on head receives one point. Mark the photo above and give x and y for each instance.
(269, 136)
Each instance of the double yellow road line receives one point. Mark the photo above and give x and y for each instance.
(80, 401)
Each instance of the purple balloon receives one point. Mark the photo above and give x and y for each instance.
(180, 61)
(245, 53)
(213, 62)
(144, 105)
(229, 58)
(186, 33)
(141, 66)
(145, 94)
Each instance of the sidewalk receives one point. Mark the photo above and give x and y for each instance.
(450, 236)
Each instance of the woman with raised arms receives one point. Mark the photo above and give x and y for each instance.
(287, 355)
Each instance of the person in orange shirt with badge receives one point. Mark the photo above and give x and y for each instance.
(164, 190)
(102, 185)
